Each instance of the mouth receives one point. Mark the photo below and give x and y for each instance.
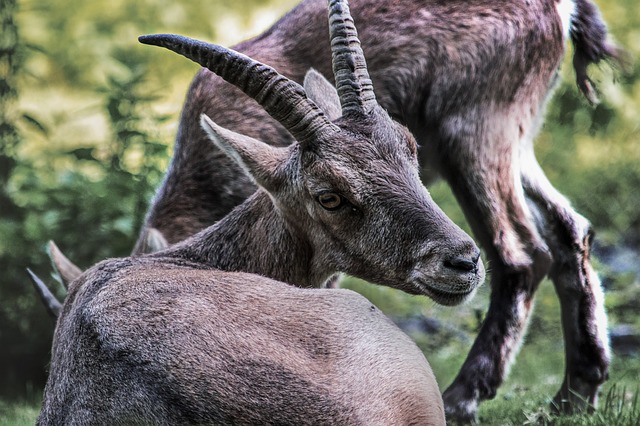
(444, 297)
(446, 285)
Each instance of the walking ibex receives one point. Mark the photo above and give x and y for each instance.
(470, 80)
(179, 337)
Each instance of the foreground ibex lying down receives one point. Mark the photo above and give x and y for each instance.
(470, 80)
(173, 338)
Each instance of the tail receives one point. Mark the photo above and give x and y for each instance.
(588, 33)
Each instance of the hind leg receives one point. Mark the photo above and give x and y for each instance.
(584, 321)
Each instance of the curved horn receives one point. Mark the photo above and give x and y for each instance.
(349, 66)
(283, 99)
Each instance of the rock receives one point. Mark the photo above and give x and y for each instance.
(625, 340)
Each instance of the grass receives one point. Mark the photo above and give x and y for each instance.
(619, 406)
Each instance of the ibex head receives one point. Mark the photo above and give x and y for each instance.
(350, 187)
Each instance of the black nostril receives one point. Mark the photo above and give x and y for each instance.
(462, 263)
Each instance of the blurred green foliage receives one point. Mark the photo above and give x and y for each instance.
(88, 116)
(18, 413)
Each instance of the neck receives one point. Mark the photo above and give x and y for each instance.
(254, 238)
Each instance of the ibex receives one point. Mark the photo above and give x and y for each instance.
(180, 337)
(470, 80)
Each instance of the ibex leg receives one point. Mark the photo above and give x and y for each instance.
(584, 321)
(491, 196)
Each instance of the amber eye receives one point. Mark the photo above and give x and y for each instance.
(330, 200)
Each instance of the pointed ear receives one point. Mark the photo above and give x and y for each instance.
(259, 161)
(323, 93)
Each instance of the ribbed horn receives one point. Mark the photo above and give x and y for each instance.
(283, 99)
(349, 66)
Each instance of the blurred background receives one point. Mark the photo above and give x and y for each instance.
(87, 122)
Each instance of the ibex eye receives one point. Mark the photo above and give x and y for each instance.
(330, 200)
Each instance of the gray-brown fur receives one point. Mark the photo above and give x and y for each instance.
(190, 335)
(470, 79)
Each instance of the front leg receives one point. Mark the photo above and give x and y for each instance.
(499, 339)
(519, 259)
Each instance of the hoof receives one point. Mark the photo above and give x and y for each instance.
(460, 410)
(577, 399)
